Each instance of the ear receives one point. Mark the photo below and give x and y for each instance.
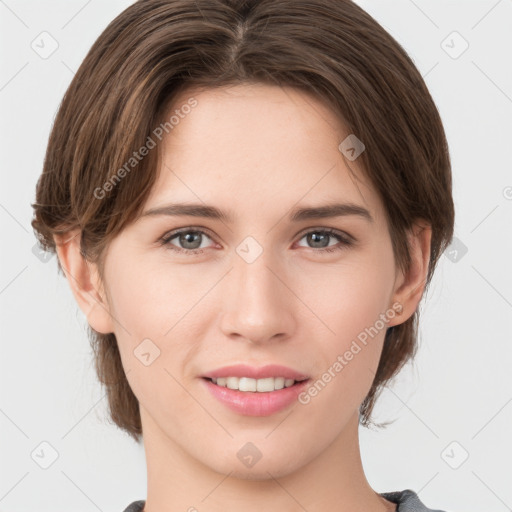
(409, 288)
(85, 282)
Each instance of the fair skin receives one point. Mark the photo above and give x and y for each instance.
(258, 151)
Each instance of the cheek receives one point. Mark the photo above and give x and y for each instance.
(349, 297)
(351, 302)
(155, 306)
(147, 297)
(150, 312)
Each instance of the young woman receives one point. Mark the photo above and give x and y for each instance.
(248, 200)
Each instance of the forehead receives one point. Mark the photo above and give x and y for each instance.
(257, 113)
(253, 145)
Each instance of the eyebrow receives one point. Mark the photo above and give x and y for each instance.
(296, 215)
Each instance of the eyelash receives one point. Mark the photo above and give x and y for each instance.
(344, 239)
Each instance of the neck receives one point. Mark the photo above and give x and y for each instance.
(334, 480)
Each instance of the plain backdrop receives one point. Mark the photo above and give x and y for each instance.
(452, 409)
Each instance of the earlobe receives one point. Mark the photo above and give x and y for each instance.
(83, 278)
(409, 289)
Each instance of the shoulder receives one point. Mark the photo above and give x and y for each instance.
(136, 506)
(408, 501)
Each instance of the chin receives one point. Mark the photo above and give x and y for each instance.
(261, 474)
(264, 469)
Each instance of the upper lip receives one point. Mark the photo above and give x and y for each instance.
(256, 372)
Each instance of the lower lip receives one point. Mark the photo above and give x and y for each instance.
(255, 403)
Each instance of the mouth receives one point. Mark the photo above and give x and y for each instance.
(255, 397)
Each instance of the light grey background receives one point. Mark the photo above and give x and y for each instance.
(454, 401)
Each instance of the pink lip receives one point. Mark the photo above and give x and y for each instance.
(253, 372)
(255, 403)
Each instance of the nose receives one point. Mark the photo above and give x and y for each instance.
(258, 301)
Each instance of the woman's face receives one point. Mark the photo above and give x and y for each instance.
(254, 288)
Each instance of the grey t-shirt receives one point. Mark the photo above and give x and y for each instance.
(407, 501)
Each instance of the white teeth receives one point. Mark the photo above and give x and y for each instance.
(254, 385)
(232, 382)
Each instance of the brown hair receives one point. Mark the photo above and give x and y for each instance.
(157, 48)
